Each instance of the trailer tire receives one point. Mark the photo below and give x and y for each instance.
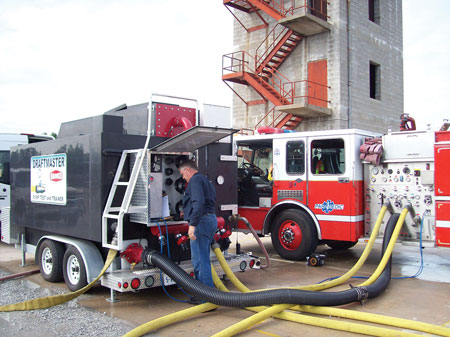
(340, 245)
(50, 259)
(74, 269)
(294, 235)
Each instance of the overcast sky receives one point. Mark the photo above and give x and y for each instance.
(62, 60)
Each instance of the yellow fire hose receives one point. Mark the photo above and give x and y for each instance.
(345, 326)
(375, 318)
(325, 285)
(50, 301)
(316, 321)
(272, 311)
(172, 318)
(388, 253)
(250, 321)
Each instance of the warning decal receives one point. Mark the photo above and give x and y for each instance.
(48, 179)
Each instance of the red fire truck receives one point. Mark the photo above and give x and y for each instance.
(308, 188)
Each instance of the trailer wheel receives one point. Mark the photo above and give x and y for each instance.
(294, 235)
(50, 258)
(339, 245)
(74, 269)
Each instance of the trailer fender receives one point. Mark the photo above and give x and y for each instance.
(289, 204)
(90, 254)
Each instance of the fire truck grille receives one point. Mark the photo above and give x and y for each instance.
(289, 194)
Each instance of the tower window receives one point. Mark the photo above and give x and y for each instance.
(374, 11)
(375, 80)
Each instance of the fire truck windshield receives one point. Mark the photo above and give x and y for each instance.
(256, 157)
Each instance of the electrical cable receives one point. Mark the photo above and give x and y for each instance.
(168, 254)
(371, 288)
(398, 277)
(394, 222)
(419, 271)
(329, 311)
(160, 271)
(184, 314)
(351, 327)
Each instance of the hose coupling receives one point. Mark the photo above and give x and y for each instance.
(409, 207)
(233, 218)
(362, 293)
(147, 256)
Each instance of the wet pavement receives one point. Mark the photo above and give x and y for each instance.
(425, 298)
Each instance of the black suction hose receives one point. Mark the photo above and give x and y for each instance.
(275, 296)
(381, 283)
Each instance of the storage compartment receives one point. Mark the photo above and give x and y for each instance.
(443, 223)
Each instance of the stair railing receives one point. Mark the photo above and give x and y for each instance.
(301, 90)
(271, 112)
(237, 62)
(276, 5)
(290, 7)
(241, 61)
(272, 39)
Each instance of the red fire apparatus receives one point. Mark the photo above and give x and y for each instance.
(308, 188)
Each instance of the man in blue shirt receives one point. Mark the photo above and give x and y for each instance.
(199, 210)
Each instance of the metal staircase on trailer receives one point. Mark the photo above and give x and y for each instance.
(117, 213)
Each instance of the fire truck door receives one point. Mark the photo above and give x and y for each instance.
(330, 186)
(289, 170)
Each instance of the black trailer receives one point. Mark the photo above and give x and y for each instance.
(73, 198)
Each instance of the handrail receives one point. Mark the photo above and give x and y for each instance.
(290, 91)
(276, 5)
(239, 60)
(275, 41)
(274, 121)
(300, 90)
(292, 8)
(271, 111)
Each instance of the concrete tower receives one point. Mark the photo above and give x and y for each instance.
(316, 65)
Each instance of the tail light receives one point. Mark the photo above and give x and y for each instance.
(135, 283)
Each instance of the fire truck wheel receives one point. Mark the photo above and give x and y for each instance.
(50, 258)
(294, 235)
(341, 244)
(74, 269)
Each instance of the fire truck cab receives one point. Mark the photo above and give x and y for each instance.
(302, 188)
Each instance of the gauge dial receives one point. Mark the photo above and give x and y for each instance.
(220, 180)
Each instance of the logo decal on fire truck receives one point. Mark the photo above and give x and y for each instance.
(329, 206)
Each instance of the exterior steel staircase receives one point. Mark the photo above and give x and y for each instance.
(261, 72)
(271, 85)
(282, 42)
(270, 7)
